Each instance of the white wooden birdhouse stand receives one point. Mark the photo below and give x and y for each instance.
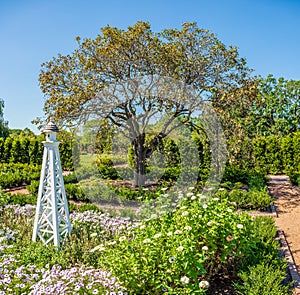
(52, 221)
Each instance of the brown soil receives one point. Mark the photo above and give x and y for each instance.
(19, 190)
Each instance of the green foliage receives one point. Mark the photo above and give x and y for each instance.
(12, 175)
(7, 150)
(267, 154)
(88, 207)
(21, 199)
(256, 197)
(276, 108)
(4, 131)
(24, 147)
(130, 156)
(294, 177)
(235, 174)
(33, 187)
(264, 279)
(39, 255)
(74, 192)
(171, 246)
(70, 178)
(170, 253)
(35, 151)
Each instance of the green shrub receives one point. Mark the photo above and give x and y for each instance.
(33, 187)
(173, 245)
(17, 174)
(263, 279)
(39, 255)
(88, 207)
(105, 160)
(70, 178)
(259, 199)
(239, 197)
(4, 198)
(22, 199)
(107, 172)
(235, 174)
(74, 192)
(294, 177)
(256, 180)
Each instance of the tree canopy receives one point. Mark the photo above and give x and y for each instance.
(129, 76)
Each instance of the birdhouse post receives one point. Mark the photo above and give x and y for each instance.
(52, 221)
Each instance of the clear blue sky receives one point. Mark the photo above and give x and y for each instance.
(267, 33)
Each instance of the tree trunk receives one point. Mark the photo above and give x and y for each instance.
(140, 157)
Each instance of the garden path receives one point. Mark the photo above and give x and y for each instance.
(287, 204)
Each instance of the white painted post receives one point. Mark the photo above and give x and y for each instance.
(52, 221)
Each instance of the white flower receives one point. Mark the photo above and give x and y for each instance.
(229, 210)
(204, 284)
(142, 226)
(189, 194)
(183, 207)
(193, 198)
(185, 280)
(216, 199)
(147, 241)
(156, 236)
(178, 232)
(210, 223)
(98, 248)
(121, 239)
(164, 188)
(221, 189)
(188, 227)
(169, 234)
(204, 248)
(153, 216)
(185, 213)
(204, 206)
(203, 198)
(94, 235)
(165, 195)
(172, 259)
(180, 249)
(191, 188)
(240, 226)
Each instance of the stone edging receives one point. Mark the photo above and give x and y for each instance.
(286, 253)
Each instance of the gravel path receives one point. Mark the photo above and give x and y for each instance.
(287, 204)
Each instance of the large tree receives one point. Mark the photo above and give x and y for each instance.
(130, 76)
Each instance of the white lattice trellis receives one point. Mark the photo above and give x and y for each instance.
(52, 221)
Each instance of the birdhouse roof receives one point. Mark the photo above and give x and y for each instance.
(51, 127)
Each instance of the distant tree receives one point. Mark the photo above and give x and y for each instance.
(27, 132)
(130, 76)
(15, 132)
(2, 141)
(7, 149)
(276, 109)
(15, 153)
(3, 124)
